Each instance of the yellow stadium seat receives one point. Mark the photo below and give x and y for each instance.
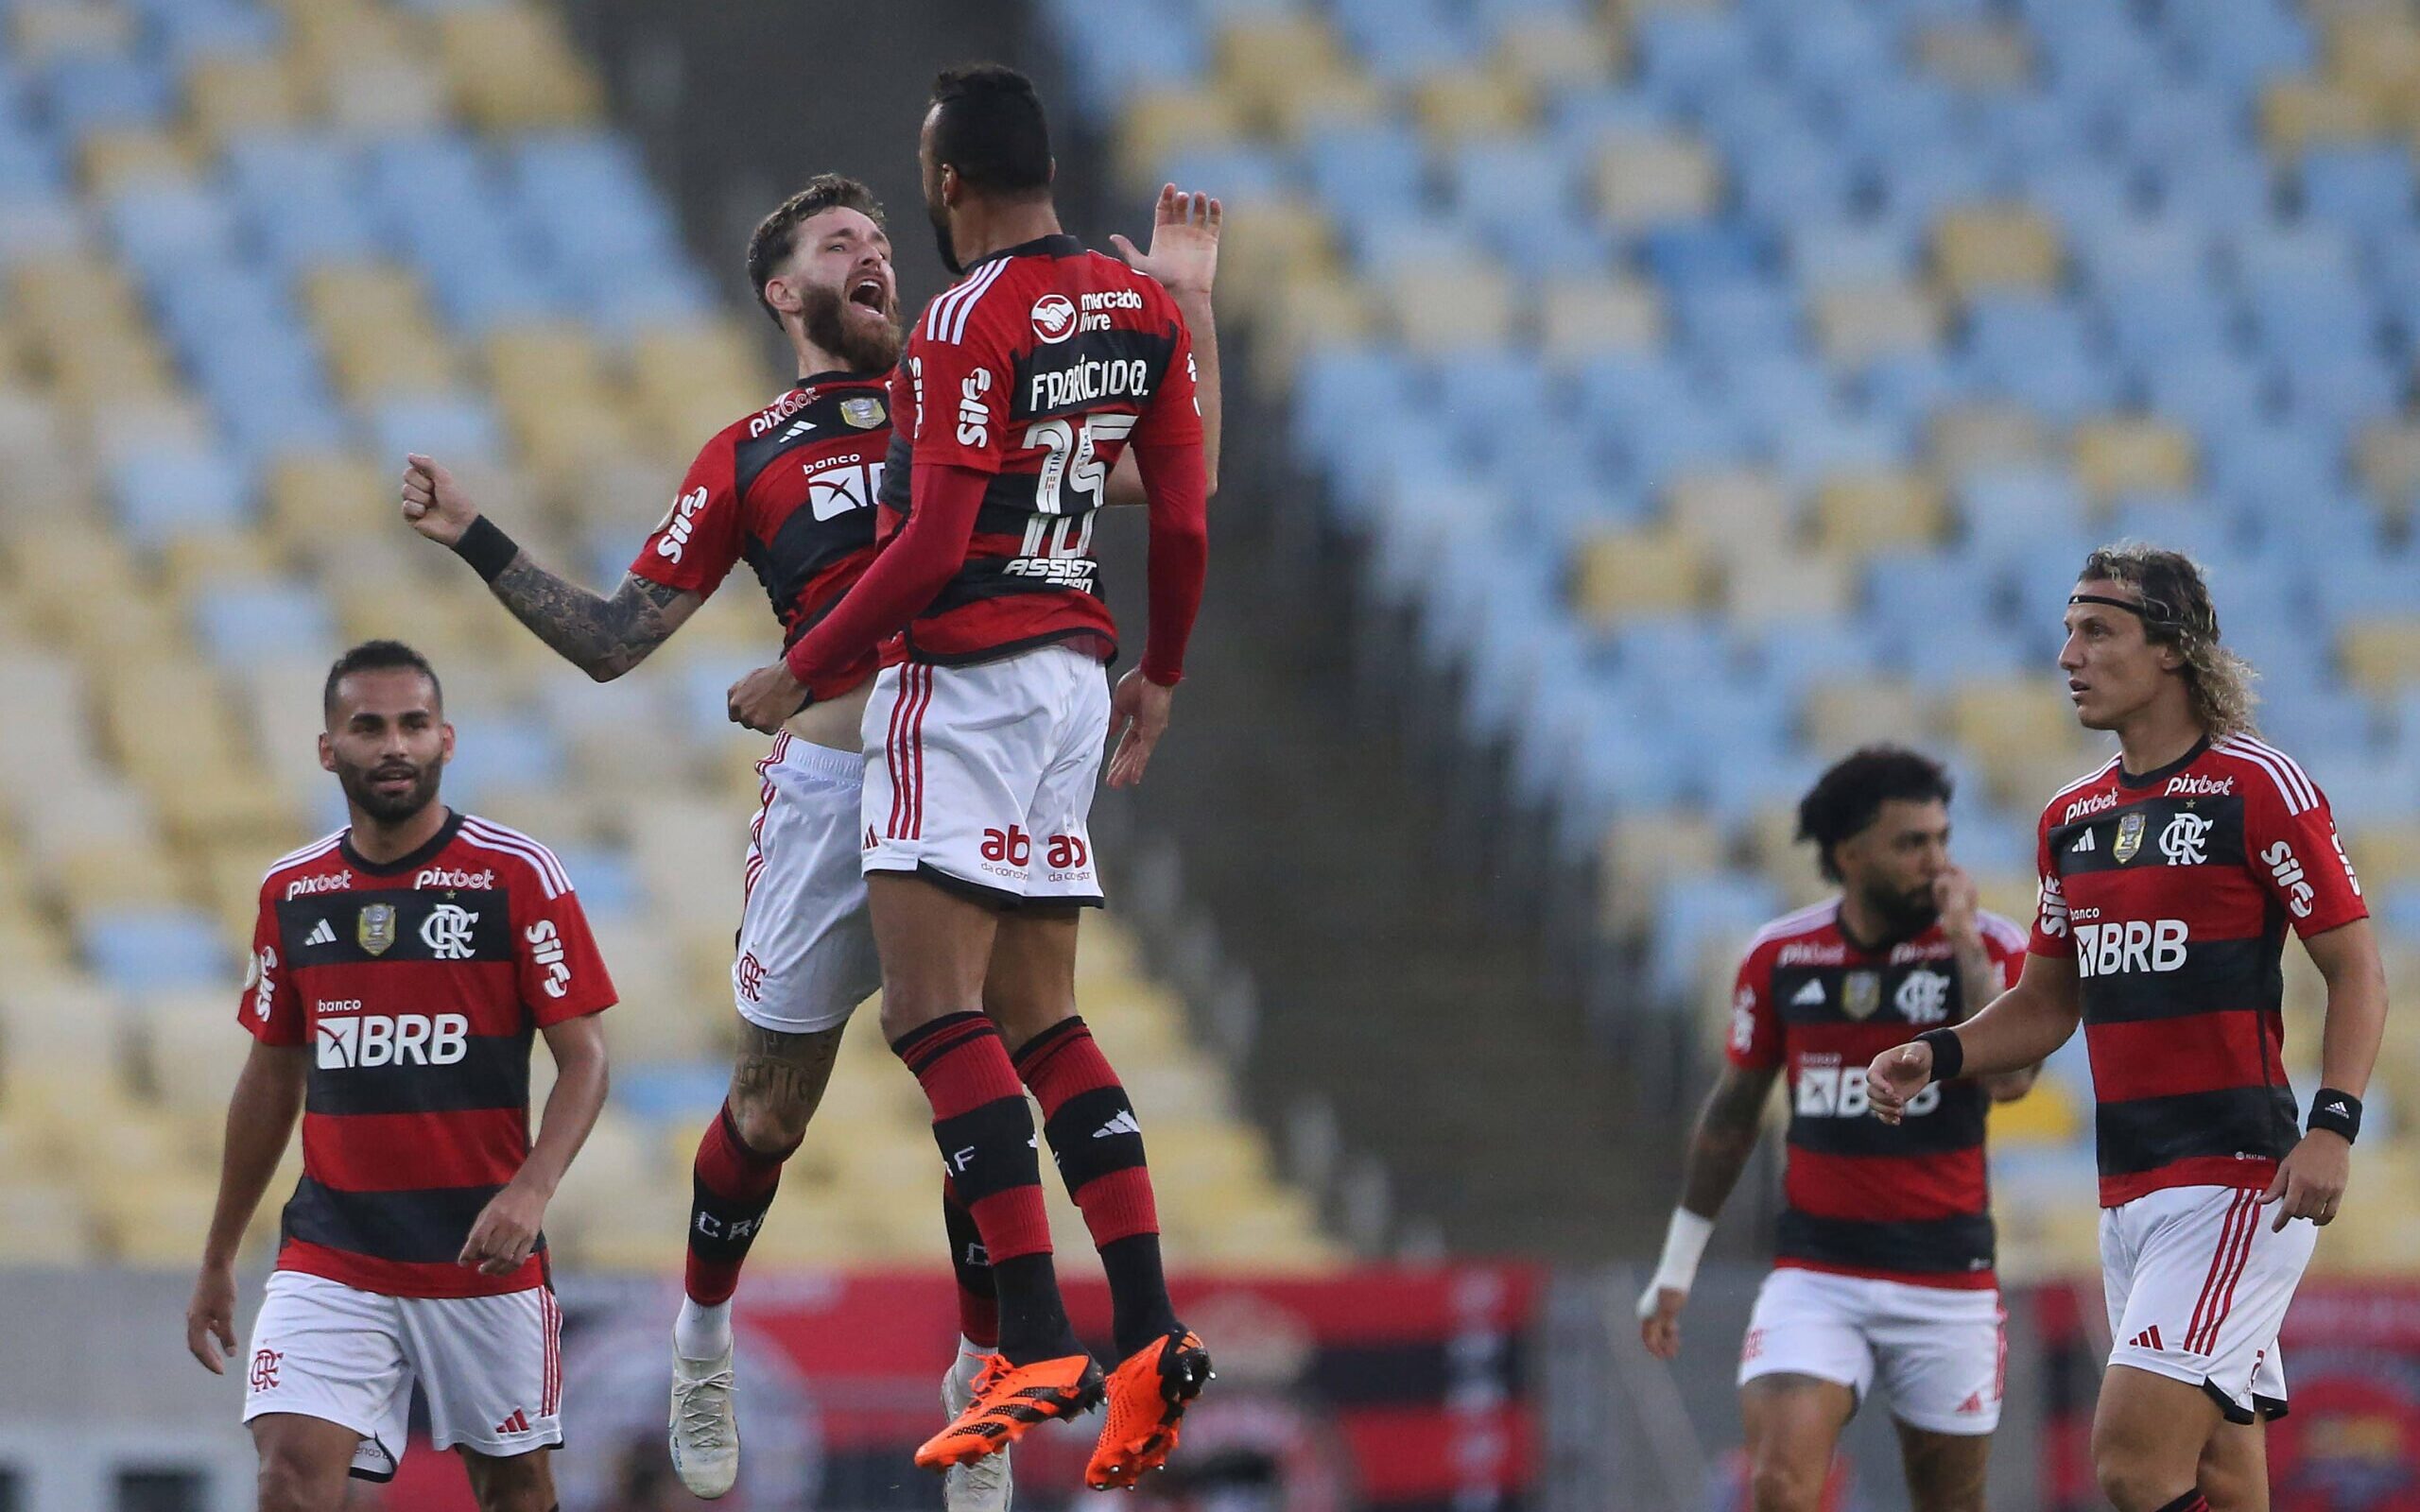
(1723, 508)
(2382, 654)
(315, 495)
(1646, 180)
(2386, 855)
(1208, 1153)
(1286, 70)
(119, 158)
(1853, 325)
(231, 94)
(1452, 107)
(512, 68)
(2047, 1115)
(2300, 114)
(1859, 513)
(1624, 574)
(2375, 54)
(1974, 56)
(1312, 310)
(1157, 123)
(2121, 455)
(2386, 457)
(1985, 248)
(1781, 586)
(1642, 853)
(1262, 245)
(43, 1222)
(1979, 437)
(1581, 317)
(2022, 734)
(1836, 717)
(1450, 306)
(1548, 51)
(39, 33)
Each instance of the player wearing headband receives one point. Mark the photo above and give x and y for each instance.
(2170, 878)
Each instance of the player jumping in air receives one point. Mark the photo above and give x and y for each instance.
(1884, 1268)
(2170, 878)
(790, 490)
(399, 969)
(1022, 386)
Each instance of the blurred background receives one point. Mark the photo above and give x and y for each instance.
(1631, 407)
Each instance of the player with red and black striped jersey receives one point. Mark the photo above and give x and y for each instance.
(790, 490)
(399, 970)
(1884, 1261)
(2170, 878)
(1020, 388)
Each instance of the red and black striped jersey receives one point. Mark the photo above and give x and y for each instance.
(1040, 368)
(419, 985)
(2172, 892)
(1905, 1202)
(790, 489)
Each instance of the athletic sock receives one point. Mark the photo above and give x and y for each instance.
(978, 1304)
(702, 1331)
(1099, 1146)
(731, 1186)
(985, 1132)
(2189, 1501)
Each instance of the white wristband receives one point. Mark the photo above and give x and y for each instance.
(1684, 1245)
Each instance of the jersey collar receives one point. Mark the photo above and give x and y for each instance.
(427, 852)
(1058, 244)
(815, 380)
(1879, 947)
(2127, 778)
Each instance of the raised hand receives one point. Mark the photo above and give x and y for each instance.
(434, 503)
(1184, 242)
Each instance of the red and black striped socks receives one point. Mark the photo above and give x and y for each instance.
(1099, 1146)
(731, 1188)
(978, 1304)
(985, 1133)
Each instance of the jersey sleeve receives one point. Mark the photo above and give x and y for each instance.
(2051, 936)
(958, 385)
(1754, 1041)
(2289, 834)
(269, 1008)
(2004, 941)
(700, 537)
(1174, 418)
(555, 956)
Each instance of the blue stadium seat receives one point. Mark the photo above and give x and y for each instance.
(1365, 172)
(136, 951)
(1688, 55)
(1400, 39)
(2365, 190)
(606, 882)
(504, 751)
(162, 493)
(462, 426)
(87, 92)
(242, 624)
(1696, 912)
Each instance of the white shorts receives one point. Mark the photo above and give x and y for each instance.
(980, 778)
(805, 956)
(1940, 1350)
(490, 1367)
(2197, 1286)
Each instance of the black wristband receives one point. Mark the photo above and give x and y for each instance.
(1948, 1056)
(2337, 1112)
(486, 548)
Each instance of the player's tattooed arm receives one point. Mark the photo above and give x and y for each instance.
(1727, 1132)
(777, 1082)
(603, 637)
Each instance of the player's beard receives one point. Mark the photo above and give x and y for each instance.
(387, 808)
(939, 215)
(1906, 913)
(825, 315)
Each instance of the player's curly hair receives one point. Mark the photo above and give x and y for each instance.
(1850, 795)
(2176, 611)
(770, 243)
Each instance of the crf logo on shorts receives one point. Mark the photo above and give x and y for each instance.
(263, 1376)
(404, 1038)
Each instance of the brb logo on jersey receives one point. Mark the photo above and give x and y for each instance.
(1054, 318)
(360, 1042)
(1825, 1089)
(2135, 945)
(446, 932)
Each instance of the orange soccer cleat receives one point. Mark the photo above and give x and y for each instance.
(1009, 1399)
(1148, 1394)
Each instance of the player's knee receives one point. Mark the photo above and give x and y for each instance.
(2130, 1484)
(289, 1484)
(771, 1124)
(519, 1483)
(1780, 1485)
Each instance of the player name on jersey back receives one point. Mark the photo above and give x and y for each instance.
(1039, 367)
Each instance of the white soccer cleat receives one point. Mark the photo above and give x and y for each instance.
(705, 1433)
(985, 1484)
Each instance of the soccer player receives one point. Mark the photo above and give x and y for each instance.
(2170, 878)
(790, 489)
(399, 969)
(1020, 388)
(1885, 1256)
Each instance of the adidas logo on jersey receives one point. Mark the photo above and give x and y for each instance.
(517, 1423)
(2148, 1339)
(321, 933)
(1123, 1124)
(1810, 996)
(2081, 846)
